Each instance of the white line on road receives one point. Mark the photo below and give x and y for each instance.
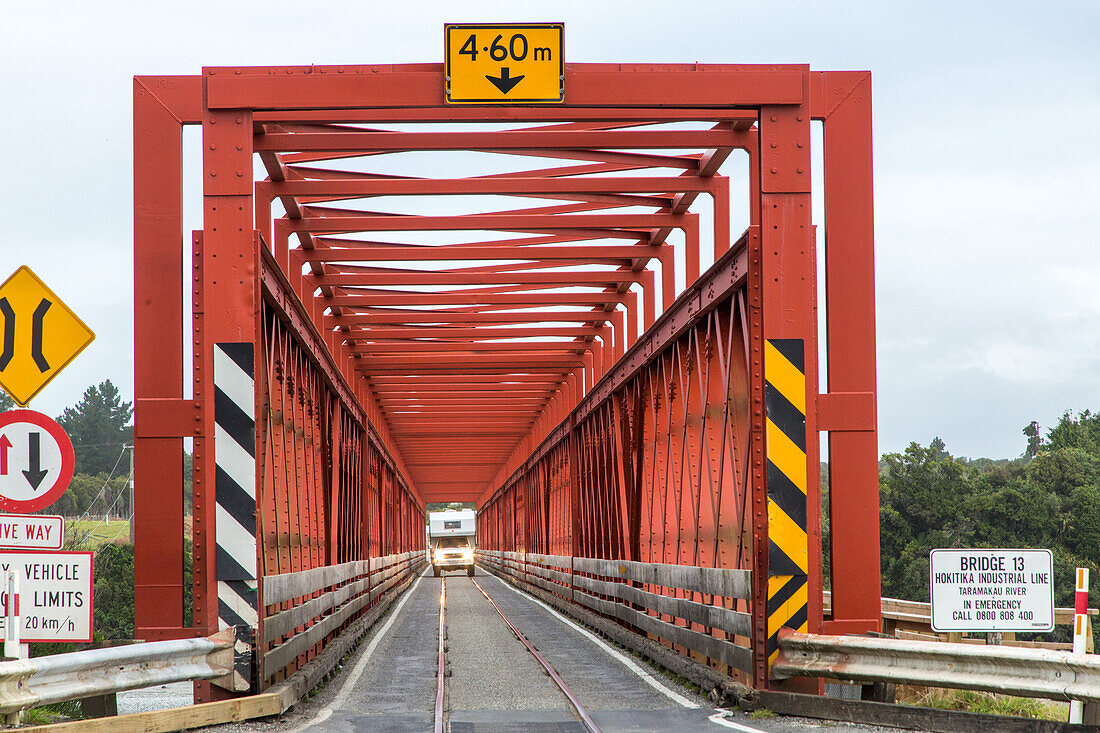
(719, 718)
(630, 664)
(357, 672)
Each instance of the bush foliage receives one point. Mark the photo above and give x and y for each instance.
(1047, 498)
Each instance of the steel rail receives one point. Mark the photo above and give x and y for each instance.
(578, 709)
(441, 672)
(1044, 673)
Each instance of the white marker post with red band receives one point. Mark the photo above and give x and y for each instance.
(1080, 629)
(12, 647)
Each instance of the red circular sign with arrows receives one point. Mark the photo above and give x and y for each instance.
(36, 461)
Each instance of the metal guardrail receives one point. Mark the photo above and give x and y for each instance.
(1053, 675)
(25, 683)
(76, 675)
(913, 620)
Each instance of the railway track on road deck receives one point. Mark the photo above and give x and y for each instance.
(441, 683)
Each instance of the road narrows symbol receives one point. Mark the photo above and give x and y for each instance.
(41, 336)
(36, 473)
(9, 333)
(36, 336)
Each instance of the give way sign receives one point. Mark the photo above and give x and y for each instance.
(36, 461)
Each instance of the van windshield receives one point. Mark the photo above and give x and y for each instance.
(447, 543)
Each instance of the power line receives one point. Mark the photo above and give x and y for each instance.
(101, 490)
(99, 445)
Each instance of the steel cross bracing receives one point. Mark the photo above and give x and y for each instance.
(486, 319)
(515, 306)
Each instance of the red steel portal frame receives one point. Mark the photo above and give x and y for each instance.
(404, 358)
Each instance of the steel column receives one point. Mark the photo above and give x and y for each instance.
(845, 99)
(158, 365)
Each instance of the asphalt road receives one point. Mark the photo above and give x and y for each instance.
(495, 684)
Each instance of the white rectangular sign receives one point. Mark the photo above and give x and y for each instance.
(992, 590)
(32, 531)
(55, 593)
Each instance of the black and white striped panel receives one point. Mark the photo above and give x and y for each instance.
(235, 483)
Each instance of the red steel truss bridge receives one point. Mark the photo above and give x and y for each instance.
(598, 320)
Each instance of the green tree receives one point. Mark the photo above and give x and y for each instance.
(1048, 498)
(99, 426)
(923, 493)
(6, 402)
(114, 592)
(1082, 431)
(1034, 440)
(1065, 473)
(95, 495)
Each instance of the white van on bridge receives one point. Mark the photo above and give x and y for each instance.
(452, 537)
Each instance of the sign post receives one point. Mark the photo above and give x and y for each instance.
(1081, 630)
(992, 590)
(12, 645)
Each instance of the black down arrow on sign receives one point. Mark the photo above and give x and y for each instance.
(505, 82)
(34, 460)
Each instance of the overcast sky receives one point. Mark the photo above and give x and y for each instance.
(987, 166)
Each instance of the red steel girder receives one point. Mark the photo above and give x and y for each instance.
(506, 400)
(458, 348)
(470, 389)
(570, 255)
(338, 275)
(511, 140)
(379, 298)
(380, 334)
(513, 361)
(486, 186)
(496, 318)
(689, 162)
(486, 222)
(407, 380)
(421, 85)
(739, 117)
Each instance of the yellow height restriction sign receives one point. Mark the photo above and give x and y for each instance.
(505, 64)
(39, 335)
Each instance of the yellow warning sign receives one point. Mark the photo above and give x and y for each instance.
(505, 64)
(39, 335)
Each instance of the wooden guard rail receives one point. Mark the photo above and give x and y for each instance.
(913, 620)
(307, 607)
(631, 592)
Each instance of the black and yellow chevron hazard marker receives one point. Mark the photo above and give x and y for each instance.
(785, 443)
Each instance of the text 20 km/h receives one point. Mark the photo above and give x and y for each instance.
(505, 64)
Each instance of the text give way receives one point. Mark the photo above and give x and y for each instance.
(32, 531)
